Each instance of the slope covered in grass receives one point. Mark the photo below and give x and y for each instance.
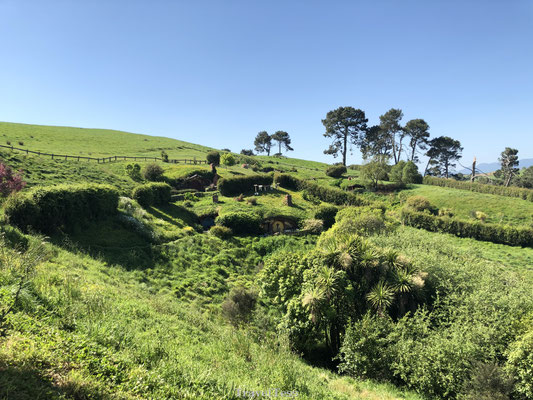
(499, 209)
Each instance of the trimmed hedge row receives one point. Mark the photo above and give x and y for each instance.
(150, 194)
(522, 193)
(473, 229)
(242, 184)
(327, 194)
(61, 207)
(241, 223)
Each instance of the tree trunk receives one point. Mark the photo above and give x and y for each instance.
(427, 166)
(345, 148)
(413, 153)
(446, 165)
(473, 170)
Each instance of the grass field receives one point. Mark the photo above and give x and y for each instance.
(499, 209)
(131, 307)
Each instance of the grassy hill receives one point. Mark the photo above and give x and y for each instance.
(144, 303)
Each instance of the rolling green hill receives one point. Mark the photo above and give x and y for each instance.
(145, 304)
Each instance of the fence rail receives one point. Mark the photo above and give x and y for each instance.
(106, 159)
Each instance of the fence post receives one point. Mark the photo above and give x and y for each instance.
(52, 156)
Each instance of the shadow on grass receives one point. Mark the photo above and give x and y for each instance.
(110, 241)
(25, 383)
(171, 212)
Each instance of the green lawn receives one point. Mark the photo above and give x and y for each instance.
(499, 209)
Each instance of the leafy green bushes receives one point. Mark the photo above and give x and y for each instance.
(62, 207)
(241, 223)
(324, 193)
(153, 172)
(156, 193)
(336, 171)
(420, 203)
(213, 157)
(327, 215)
(242, 184)
(522, 193)
(221, 232)
(520, 364)
(477, 230)
(227, 159)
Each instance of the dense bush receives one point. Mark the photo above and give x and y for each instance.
(134, 171)
(336, 171)
(410, 173)
(239, 305)
(213, 157)
(313, 225)
(153, 172)
(327, 215)
(420, 203)
(221, 232)
(520, 364)
(473, 229)
(525, 194)
(150, 194)
(242, 184)
(227, 159)
(324, 193)
(241, 223)
(61, 207)
(396, 172)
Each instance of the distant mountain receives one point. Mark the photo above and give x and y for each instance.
(491, 167)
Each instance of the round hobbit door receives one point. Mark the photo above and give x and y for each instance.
(277, 226)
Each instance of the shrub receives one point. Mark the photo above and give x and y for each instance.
(153, 172)
(251, 200)
(227, 159)
(327, 215)
(480, 215)
(420, 203)
(61, 207)
(241, 223)
(396, 172)
(336, 171)
(239, 305)
(519, 364)
(164, 156)
(10, 182)
(156, 193)
(313, 225)
(410, 173)
(487, 382)
(446, 212)
(359, 220)
(134, 171)
(213, 157)
(221, 232)
(21, 143)
(365, 350)
(242, 184)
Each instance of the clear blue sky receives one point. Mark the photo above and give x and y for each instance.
(217, 72)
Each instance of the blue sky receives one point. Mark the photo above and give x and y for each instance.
(217, 72)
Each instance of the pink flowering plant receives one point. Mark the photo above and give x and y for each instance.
(10, 181)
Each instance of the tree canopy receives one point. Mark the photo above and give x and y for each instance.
(442, 153)
(283, 140)
(263, 142)
(509, 163)
(345, 126)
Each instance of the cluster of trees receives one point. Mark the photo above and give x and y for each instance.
(264, 142)
(348, 127)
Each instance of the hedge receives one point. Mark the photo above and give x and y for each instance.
(522, 193)
(61, 207)
(242, 184)
(324, 193)
(494, 233)
(241, 223)
(150, 194)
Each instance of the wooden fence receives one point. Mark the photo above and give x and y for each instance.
(106, 159)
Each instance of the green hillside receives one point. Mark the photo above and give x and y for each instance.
(128, 291)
